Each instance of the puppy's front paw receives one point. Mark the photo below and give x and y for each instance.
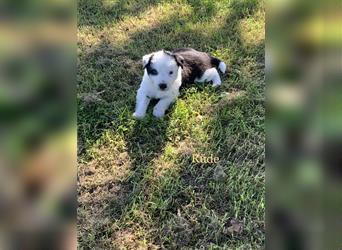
(159, 113)
(216, 84)
(138, 115)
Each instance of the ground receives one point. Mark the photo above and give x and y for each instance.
(137, 185)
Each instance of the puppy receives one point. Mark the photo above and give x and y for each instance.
(165, 72)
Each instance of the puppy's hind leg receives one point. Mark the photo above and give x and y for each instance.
(211, 75)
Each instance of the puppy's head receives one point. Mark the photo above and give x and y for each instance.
(162, 67)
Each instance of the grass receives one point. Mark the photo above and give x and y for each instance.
(138, 187)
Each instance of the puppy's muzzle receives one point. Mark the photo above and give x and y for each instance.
(162, 86)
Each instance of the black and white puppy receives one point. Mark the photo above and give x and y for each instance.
(165, 72)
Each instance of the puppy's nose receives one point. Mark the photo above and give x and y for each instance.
(162, 86)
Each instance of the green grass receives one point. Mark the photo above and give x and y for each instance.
(138, 188)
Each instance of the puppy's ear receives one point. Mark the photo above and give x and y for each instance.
(179, 59)
(167, 52)
(147, 59)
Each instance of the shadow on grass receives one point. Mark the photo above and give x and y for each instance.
(99, 13)
(118, 70)
(146, 140)
(95, 13)
(144, 144)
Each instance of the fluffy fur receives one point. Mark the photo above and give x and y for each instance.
(165, 72)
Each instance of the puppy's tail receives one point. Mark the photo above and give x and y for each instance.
(219, 64)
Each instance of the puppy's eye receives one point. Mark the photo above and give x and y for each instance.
(171, 72)
(154, 72)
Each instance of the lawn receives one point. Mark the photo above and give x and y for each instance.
(137, 185)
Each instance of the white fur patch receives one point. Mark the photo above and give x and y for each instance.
(146, 58)
(210, 75)
(222, 67)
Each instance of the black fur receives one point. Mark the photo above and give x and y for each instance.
(179, 59)
(194, 63)
(148, 65)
